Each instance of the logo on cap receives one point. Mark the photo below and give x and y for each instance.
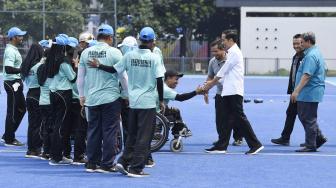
(105, 29)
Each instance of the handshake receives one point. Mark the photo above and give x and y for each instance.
(204, 90)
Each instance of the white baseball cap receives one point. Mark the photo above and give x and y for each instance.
(85, 36)
(129, 41)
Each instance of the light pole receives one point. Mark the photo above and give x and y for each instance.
(115, 22)
(43, 15)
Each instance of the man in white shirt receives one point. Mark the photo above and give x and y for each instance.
(232, 78)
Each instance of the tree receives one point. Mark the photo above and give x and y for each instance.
(183, 14)
(62, 16)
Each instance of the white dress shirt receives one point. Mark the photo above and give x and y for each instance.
(232, 73)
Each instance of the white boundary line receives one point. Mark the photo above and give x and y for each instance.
(262, 154)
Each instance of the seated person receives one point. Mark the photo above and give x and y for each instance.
(173, 114)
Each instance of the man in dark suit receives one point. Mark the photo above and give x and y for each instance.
(291, 112)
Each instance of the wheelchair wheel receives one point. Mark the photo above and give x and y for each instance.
(161, 130)
(174, 147)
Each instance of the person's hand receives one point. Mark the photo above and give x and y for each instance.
(82, 101)
(294, 96)
(162, 107)
(206, 98)
(199, 90)
(126, 102)
(208, 85)
(94, 63)
(75, 62)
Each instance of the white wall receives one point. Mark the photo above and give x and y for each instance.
(283, 29)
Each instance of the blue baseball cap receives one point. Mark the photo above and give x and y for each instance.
(15, 31)
(44, 43)
(147, 33)
(105, 29)
(92, 42)
(73, 42)
(62, 39)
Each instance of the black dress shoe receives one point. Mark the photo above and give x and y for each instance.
(306, 150)
(321, 141)
(280, 141)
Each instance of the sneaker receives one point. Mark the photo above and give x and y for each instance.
(237, 142)
(33, 154)
(90, 167)
(187, 133)
(121, 168)
(215, 142)
(305, 149)
(64, 161)
(45, 156)
(280, 141)
(134, 174)
(254, 151)
(14, 143)
(320, 142)
(150, 163)
(303, 145)
(215, 149)
(81, 161)
(103, 169)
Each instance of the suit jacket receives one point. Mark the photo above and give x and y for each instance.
(290, 82)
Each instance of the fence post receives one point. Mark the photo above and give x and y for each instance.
(277, 66)
(182, 64)
(245, 62)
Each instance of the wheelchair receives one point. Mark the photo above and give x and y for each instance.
(161, 134)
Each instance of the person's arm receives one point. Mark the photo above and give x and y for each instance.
(159, 85)
(187, 96)
(12, 70)
(94, 63)
(123, 78)
(304, 80)
(81, 83)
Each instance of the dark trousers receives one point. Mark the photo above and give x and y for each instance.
(61, 104)
(77, 128)
(102, 133)
(237, 135)
(34, 120)
(16, 108)
(233, 106)
(140, 133)
(291, 113)
(46, 126)
(174, 115)
(124, 118)
(307, 112)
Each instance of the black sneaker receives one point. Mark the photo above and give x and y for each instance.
(215, 149)
(90, 167)
(33, 154)
(320, 142)
(121, 168)
(134, 174)
(303, 145)
(255, 150)
(14, 143)
(81, 161)
(237, 142)
(280, 141)
(150, 163)
(45, 156)
(305, 149)
(187, 133)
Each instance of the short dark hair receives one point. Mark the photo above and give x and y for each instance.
(231, 34)
(146, 41)
(309, 36)
(102, 36)
(296, 36)
(219, 43)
